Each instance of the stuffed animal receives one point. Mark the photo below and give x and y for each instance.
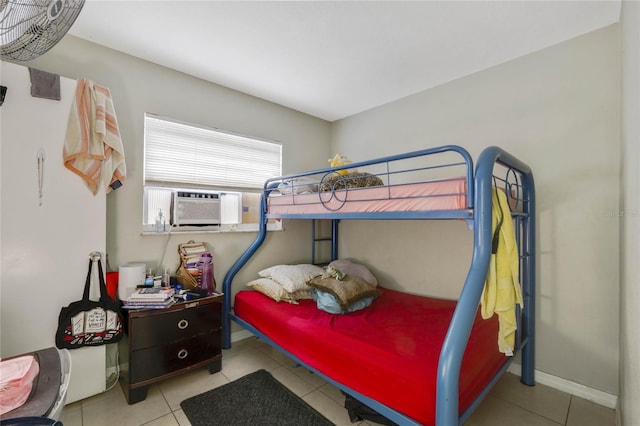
(339, 160)
(333, 272)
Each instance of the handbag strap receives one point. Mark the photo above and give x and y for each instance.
(87, 284)
(104, 295)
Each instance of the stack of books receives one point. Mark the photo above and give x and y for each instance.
(150, 298)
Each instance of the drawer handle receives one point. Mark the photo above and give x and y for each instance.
(182, 324)
(183, 353)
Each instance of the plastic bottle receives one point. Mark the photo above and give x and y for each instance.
(205, 267)
(160, 221)
(166, 278)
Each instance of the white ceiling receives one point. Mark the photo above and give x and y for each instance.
(334, 59)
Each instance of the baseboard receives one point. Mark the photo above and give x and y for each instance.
(564, 385)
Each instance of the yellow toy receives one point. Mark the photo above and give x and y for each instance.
(339, 160)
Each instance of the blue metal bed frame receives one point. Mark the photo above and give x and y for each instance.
(518, 180)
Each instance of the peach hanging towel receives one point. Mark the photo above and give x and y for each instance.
(93, 147)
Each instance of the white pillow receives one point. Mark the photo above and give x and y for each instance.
(300, 185)
(292, 277)
(275, 291)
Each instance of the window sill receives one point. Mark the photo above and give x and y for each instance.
(225, 229)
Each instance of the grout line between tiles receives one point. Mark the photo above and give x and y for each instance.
(536, 413)
(566, 419)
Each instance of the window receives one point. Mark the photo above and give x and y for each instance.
(185, 160)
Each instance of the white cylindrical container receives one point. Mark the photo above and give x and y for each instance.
(130, 276)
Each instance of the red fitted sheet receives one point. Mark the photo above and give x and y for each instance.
(427, 196)
(388, 351)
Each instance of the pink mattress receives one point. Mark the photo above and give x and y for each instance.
(388, 351)
(428, 196)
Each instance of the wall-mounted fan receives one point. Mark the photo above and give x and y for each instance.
(29, 28)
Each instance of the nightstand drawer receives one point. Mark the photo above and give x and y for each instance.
(154, 330)
(157, 361)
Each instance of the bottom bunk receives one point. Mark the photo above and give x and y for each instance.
(387, 352)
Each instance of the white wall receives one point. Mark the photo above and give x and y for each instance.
(629, 412)
(558, 110)
(137, 87)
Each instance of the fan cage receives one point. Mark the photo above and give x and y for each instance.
(29, 28)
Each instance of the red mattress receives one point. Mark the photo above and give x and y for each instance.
(388, 351)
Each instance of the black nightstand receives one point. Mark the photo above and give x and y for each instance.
(164, 343)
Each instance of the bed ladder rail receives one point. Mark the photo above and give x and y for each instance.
(319, 236)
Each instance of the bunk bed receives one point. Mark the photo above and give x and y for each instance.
(414, 359)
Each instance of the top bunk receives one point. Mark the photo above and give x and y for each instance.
(434, 183)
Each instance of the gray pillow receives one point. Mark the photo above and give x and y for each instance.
(355, 269)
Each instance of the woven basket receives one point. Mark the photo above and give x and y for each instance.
(189, 252)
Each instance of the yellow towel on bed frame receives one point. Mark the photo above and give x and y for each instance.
(502, 289)
(93, 148)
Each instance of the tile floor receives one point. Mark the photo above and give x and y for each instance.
(509, 403)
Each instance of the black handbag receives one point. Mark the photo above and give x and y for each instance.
(90, 323)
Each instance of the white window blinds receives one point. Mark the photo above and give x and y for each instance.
(178, 154)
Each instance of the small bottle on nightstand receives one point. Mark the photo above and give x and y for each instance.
(206, 273)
